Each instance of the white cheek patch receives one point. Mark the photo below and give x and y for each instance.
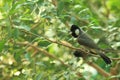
(77, 31)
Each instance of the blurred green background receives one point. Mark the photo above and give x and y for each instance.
(34, 35)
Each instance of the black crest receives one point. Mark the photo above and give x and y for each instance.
(73, 29)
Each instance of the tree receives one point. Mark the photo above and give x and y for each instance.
(35, 40)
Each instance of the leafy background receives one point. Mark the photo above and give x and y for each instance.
(35, 40)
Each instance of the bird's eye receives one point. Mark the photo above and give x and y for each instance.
(77, 31)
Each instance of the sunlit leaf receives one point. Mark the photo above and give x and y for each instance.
(24, 27)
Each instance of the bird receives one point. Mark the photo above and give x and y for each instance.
(79, 54)
(85, 40)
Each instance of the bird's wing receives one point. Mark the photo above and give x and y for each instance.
(85, 40)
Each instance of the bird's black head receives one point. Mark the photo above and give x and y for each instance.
(75, 31)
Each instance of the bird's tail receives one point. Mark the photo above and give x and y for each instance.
(105, 58)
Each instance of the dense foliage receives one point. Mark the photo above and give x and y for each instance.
(35, 40)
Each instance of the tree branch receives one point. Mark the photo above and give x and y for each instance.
(49, 55)
(66, 44)
(100, 70)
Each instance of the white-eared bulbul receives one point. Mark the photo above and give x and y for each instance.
(85, 40)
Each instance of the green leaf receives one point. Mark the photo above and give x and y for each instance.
(2, 43)
(17, 56)
(39, 76)
(60, 7)
(44, 43)
(27, 56)
(15, 33)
